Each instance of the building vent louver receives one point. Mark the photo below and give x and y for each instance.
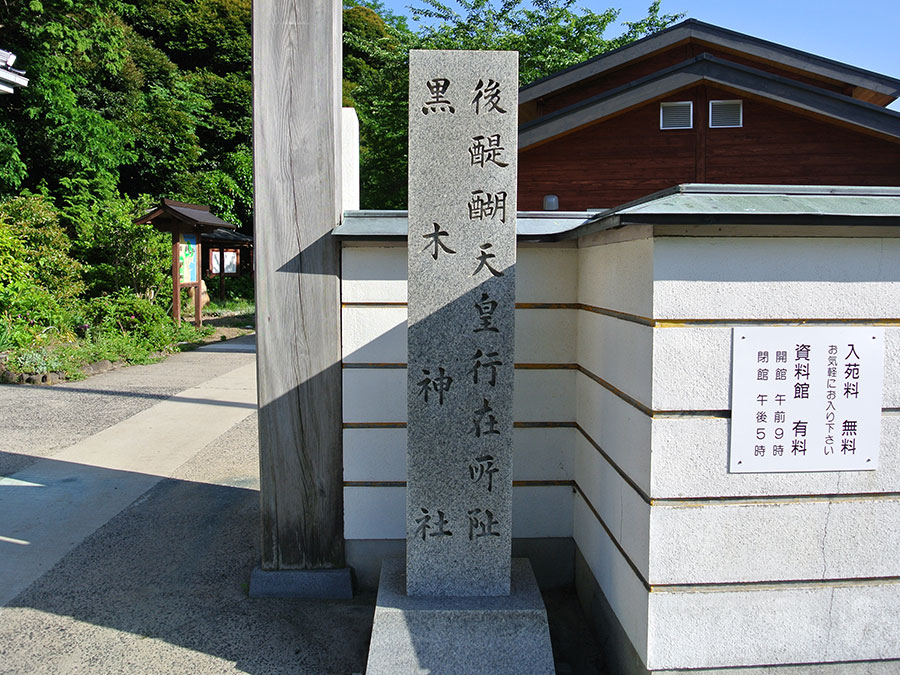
(726, 114)
(676, 115)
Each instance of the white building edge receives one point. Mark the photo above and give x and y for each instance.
(10, 78)
(622, 415)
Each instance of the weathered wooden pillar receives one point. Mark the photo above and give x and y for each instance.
(176, 279)
(198, 289)
(296, 101)
(222, 274)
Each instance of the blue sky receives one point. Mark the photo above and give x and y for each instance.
(863, 33)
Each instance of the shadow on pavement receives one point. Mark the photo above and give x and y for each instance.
(154, 397)
(162, 587)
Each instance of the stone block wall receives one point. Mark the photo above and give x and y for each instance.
(703, 568)
(622, 411)
(374, 405)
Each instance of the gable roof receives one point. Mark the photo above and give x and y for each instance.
(879, 88)
(196, 215)
(727, 74)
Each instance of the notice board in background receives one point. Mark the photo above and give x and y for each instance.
(806, 398)
(189, 260)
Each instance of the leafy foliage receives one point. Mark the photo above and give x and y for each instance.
(550, 35)
(133, 100)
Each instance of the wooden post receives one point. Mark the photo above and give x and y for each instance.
(296, 123)
(198, 289)
(176, 280)
(222, 274)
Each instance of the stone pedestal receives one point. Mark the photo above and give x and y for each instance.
(448, 635)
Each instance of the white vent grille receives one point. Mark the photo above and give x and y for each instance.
(676, 115)
(726, 114)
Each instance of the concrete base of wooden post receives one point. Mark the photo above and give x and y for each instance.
(324, 584)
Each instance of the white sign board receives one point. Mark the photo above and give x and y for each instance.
(231, 262)
(806, 399)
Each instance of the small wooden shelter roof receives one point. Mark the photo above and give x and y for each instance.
(172, 216)
(223, 236)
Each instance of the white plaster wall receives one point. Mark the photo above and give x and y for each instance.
(542, 511)
(375, 513)
(373, 274)
(380, 512)
(690, 460)
(692, 367)
(374, 395)
(544, 453)
(374, 332)
(773, 625)
(546, 335)
(378, 274)
(375, 454)
(377, 334)
(546, 274)
(622, 431)
(619, 352)
(544, 396)
(627, 596)
(625, 513)
(380, 454)
(760, 278)
(717, 543)
(618, 276)
(720, 545)
(379, 395)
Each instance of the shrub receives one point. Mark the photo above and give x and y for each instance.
(45, 247)
(118, 253)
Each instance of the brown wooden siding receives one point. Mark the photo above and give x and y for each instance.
(628, 156)
(665, 59)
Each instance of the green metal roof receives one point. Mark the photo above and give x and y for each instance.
(695, 198)
(393, 224)
(773, 205)
(688, 204)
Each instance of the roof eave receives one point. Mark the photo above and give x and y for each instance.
(724, 38)
(707, 68)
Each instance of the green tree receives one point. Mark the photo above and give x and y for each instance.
(550, 35)
(119, 254)
(45, 245)
(376, 76)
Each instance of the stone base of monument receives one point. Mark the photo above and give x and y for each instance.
(456, 635)
(327, 584)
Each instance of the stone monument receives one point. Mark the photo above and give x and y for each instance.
(461, 604)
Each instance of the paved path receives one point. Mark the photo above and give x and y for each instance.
(54, 504)
(129, 522)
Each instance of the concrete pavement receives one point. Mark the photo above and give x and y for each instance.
(129, 524)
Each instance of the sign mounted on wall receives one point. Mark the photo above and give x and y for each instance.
(806, 399)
